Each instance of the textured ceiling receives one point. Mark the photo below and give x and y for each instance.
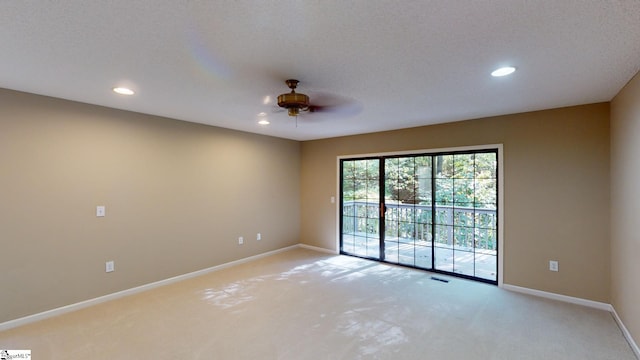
(397, 63)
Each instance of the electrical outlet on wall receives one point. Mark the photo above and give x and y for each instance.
(109, 266)
(240, 240)
(553, 265)
(101, 211)
(259, 237)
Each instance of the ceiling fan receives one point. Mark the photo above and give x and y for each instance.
(295, 102)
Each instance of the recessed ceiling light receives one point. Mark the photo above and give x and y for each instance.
(264, 122)
(503, 71)
(123, 91)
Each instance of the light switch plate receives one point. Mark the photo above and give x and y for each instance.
(101, 211)
(109, 266)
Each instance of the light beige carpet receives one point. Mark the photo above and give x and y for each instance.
(301, 304)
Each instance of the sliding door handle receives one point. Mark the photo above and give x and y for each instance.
(383, 209)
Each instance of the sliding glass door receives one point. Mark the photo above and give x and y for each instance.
(408, 217)
(430, 211)
(466, 214)
(360, 201)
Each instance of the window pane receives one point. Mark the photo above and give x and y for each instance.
(485, 166)
(444, 235)
(444, 259)
(423, 191)
(423, 257)
(406, 230)
(444, 215)
(463, 238)
(372, 226)
(391, 169)
(463, 166)
(444, 191)
(486, 220)
(463, 192)
(423, 215)
(406, 255)
(444, 166)
(373, 169)
(486, 266)
(463, 262)
(486, 192)
(348, 170)
(373, 190)
(391, 251)
(463, 218)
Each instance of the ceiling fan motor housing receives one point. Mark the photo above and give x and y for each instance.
(293, 101)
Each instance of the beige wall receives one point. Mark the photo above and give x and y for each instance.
(625, 205)
(177, 197)
(179, 194)
(556, 191)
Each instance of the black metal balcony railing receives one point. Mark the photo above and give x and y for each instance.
(467, 227)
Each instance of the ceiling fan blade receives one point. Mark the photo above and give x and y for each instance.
(331, 103)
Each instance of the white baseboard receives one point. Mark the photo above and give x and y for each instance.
(318, 249)
(583, 302)
(626, 333)
(553, 296)
(83, 304)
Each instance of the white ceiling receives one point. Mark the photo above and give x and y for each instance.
(399, 63)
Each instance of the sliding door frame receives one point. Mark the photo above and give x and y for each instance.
(500, 178)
